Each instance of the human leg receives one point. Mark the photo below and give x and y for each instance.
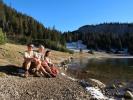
(46, 67)
(26, 66)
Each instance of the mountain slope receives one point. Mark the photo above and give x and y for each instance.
(116, 28)
(105, 36)
(24, 29)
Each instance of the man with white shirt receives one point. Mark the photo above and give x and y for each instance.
(29, 58)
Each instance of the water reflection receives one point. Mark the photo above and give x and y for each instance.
(103, 69)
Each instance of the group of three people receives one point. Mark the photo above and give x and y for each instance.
(38, 62)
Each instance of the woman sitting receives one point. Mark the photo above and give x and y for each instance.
(40, 58)
(48, 65)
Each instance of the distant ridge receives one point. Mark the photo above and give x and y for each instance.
(116, 28)
(106, 36)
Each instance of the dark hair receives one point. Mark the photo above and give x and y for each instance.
(46, 53)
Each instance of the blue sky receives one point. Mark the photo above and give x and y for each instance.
(71, 14)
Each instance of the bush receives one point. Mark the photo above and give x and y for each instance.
(2, 37)
(23, 40)
(52, 45)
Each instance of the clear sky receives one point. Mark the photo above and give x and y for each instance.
(71, 14)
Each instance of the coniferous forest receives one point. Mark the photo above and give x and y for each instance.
(21, 28)
(104, 36)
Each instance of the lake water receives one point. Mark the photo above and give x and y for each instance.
(104, 69)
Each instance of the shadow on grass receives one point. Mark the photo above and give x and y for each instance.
(11, 70)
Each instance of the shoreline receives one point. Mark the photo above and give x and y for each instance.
(100, 91)
(64, 86)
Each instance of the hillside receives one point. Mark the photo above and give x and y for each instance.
(13, 54)
(104, 36)
(116, 28)
(21, 28)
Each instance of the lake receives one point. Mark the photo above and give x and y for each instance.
(104, 69)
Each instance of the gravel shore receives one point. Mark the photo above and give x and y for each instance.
(35, 88)
(40, 88)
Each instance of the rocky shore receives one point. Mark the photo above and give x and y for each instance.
(115, 90)
(120, 90)
(34, 88)
(63, 87)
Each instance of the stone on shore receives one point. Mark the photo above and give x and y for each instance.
(128, 95)
(97, 83)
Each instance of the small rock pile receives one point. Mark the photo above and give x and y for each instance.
(120, 90)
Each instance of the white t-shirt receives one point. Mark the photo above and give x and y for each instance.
(40, 56)
(30, 54)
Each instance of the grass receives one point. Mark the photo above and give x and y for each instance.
(2, 74)
(13, 53)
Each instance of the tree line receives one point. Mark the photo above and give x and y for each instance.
(24, 29)
(21, 28)
(104, 36)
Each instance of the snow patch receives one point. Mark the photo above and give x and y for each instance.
(96, 93)
(76, 46)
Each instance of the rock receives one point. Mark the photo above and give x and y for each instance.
(129, 89)
(87, 71)
(63, 63)
(59, 65)
(122, 98)
(66, 61)
(84, 83)
(119, 95)
(65, 67)
(120, 86)
(128, 95)
(29, 93)
(123, 83)
(113, 86)
(98, 83)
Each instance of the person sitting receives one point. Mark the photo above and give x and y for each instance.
(31, 61)
(41, 53)
(28, 58)
(48, 65)
(40, 57)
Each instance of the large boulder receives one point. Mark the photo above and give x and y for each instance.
(97, 83)
(128, 95)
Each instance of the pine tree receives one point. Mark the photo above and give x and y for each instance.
(2, 37)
